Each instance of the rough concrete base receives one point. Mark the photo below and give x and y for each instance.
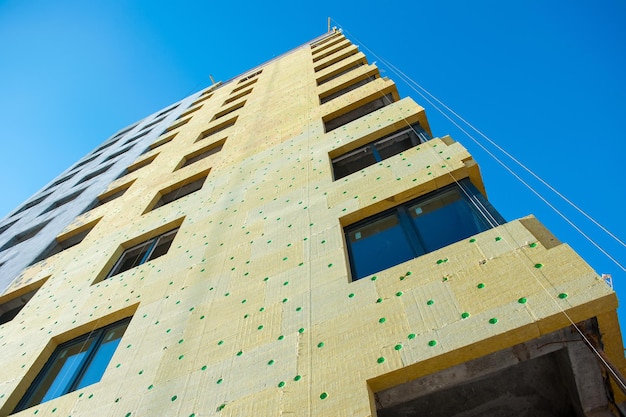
(555, 375)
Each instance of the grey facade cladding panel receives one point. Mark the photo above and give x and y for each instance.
(16, 258)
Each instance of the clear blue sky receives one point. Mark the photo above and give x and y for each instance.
(545, 80)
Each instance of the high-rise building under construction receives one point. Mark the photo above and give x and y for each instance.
(295, 242)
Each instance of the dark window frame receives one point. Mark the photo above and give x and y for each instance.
(325, 39)
(368, 107)
(372, 150)
(137, 137)
(328, 50)
(67, 177)
(166, 111)
(178, 123)
(9, 309)
(228, 111)
(237, 96)
(95, 173)
(116, 154)
(31, 203)
(244, 85)
(189, 111)
(80, 164)
(410, 240)
(80, 370)
(146, 250)
(128, 129)
(327, 43)
(325, 98)
(201, 154)
(202, 98)
(156, 121)
(101, 148)
(68, 198)
(66, 242)
(24, 235)
(334, 60)
(6, 226)
(250, 76)
(161, 142)
(112, 194)
(136, 166)
(217, 128)
(180, 190)
(339, 72)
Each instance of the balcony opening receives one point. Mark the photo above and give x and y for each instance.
(550, 378)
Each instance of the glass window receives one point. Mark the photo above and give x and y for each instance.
(250, 76)
(68, 177)
(420, 226)
(338, 57)
(363, 110)
(24, 236)
(116, 154)
(80, 164)
(66, 243)
(384, 237)
(328, 97)
(94, 174)
(74, 365)
(338, 73)
(201, 154)
(11, 308)
(144, 252)
(216, 129)
(113, 194)
(162, 246)
(30, 204)
(180, 192)
(158, 120)
(6, 226)
(354, 161)
(444, 219)
(64, 200)
(379, 150)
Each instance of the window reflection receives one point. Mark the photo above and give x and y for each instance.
(75, 364)
(420, 226)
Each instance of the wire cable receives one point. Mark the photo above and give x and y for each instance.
(515, 250)
(550, 187)
(408, 81)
